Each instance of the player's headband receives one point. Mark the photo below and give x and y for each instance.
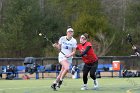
(82, 36)
(70, 30)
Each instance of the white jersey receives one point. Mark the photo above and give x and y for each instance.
(67, 46)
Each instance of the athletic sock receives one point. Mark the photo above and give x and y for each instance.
(61, 79)
(85, 84)
(56, 81)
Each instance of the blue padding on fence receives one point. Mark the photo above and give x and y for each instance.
(20, 68)
(104, 65)
(41, 67)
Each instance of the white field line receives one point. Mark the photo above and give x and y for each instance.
(22, 88)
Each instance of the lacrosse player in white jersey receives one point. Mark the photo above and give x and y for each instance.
(67, 46)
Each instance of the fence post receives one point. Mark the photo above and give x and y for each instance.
(37, 75)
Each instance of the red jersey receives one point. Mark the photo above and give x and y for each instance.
(90, 56)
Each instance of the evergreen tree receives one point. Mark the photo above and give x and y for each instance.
(20, 26)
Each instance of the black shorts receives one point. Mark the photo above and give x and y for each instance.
(92, 67)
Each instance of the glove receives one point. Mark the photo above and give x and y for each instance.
(78, 55)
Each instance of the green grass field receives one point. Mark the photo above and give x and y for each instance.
(107, 85)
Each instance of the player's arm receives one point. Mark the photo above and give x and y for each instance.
(84, 52)
(72, 53)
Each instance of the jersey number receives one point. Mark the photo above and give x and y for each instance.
(66, 47)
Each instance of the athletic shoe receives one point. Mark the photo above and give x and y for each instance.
(59, 83)
(53, 86)
(84, 87)
(95, 84)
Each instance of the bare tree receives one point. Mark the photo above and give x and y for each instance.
(42, 6)
(103, 45)
(1, 8)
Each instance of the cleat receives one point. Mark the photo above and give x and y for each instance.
(95, 85)
(84, 87)
(53, 86)
(59, 83)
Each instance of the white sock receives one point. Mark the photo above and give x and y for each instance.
(95, 81)
(61, 79)
(56, 81)
(85, 84)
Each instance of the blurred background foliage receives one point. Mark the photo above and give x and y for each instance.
(106, 21)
